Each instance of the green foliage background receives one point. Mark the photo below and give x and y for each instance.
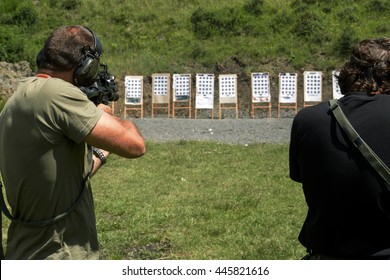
(144, 37)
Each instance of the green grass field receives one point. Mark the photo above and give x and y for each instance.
(200, 200)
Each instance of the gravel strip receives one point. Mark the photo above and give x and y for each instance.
(230, 131)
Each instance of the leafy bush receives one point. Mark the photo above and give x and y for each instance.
(345, 43)
(225, 22)
(25, 16)
(70, 5)
(254, 7)
(204, 23)
(11, 47)
(308, 25)
(378, 6)
(2, 103)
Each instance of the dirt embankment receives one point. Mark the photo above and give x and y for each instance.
(10, 73)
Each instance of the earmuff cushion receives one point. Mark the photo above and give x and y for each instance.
(87, 71)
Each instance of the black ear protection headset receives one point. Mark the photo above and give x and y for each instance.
(87, 70)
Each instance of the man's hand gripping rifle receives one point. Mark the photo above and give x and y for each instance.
(104, 90)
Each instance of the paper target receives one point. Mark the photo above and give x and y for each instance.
(336, 88)
(182, 87)
(288, 87)
(133, 90)
(204, 91)
(312, 86)
(227, 86)
(161, 85)
(260, 87)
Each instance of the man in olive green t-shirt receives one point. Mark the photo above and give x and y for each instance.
(47, 129)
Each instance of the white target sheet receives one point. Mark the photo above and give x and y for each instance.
(181, 87)
(133, 90)
(204, 91)
(288, 83)
(228, 86)
(260, 87)
(312, 86)
(160, 85)
(335, 84)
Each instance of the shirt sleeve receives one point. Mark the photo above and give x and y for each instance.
(66, 111)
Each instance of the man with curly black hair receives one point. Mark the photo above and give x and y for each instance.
(348, 202)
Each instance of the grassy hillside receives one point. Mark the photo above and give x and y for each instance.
(174, 35)
(218, 36)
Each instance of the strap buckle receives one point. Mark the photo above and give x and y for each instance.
(333, 104)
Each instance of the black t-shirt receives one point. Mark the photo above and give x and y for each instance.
(348, 203)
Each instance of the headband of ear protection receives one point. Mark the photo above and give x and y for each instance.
(87, 70)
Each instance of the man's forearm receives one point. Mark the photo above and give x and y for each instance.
(98, 162)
